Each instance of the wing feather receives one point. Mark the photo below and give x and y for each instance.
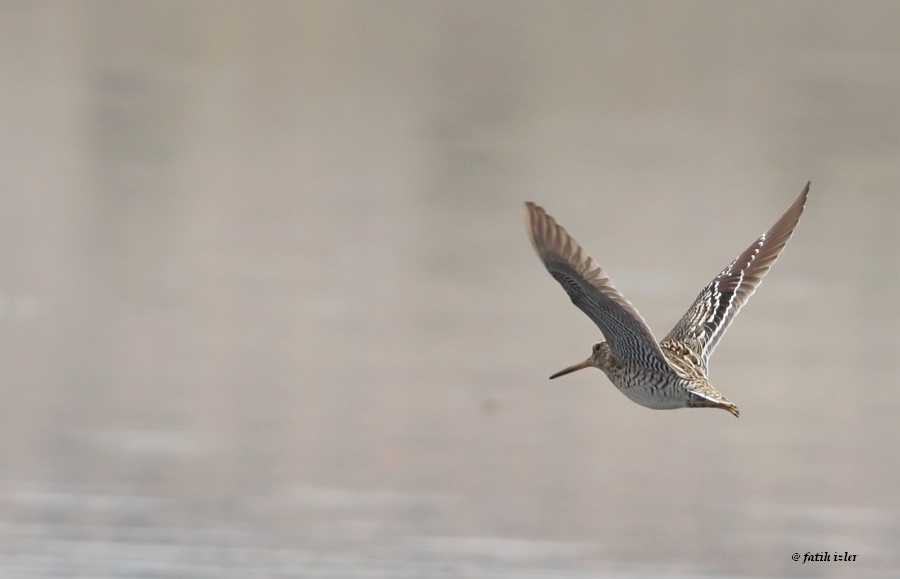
(591, 290)
(704, 324)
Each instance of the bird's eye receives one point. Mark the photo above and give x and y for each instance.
(596, 348)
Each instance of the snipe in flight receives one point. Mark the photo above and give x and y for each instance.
(672, 373)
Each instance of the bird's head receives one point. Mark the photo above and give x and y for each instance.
(598, 359)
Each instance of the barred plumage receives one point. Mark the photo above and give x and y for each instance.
(672, 373)
(703, 325)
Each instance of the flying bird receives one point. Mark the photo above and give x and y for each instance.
(671, 373)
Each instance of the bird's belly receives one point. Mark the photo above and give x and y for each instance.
(657, 392)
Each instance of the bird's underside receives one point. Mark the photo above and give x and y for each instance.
(671, 373)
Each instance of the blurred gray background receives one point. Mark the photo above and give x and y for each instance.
(268, 308)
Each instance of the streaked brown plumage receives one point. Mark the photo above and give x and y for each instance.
(673, 372)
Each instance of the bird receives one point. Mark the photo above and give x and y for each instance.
(672, 373)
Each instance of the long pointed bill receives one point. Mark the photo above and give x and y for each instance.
(579, 366)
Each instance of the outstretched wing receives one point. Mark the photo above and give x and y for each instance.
(591, 291)
(705, 322)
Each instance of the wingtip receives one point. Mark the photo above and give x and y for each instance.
(530, 209)
(533, 213)
(804, 195)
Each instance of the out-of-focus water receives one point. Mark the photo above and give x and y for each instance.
(268, 309)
